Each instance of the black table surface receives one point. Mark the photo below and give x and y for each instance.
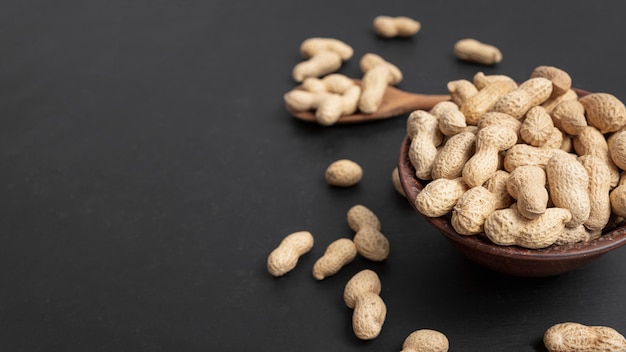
(149, 167)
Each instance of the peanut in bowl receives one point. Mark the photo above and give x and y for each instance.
(512, 260)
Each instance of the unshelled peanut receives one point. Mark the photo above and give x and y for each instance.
(561, 80)
(399, 26)
(471, 210)
(425, 138)
(604, 111)
(472, 50)
(360, 217)
(285, 257)
(527, 184)
(343, 173)
(338, 254)
(361, 293)
(490, 141)
(530, 93)
(426, 340)
(568, 183)
(439, 196)
(378, 74)
(570, 337)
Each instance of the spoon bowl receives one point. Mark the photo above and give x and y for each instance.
(511, 260)
(395, 102)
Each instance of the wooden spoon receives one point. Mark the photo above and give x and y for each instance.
(395, 102)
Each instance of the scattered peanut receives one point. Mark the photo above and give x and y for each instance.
(478, 52)
(360, 217)
(426, 340)
(569, 336)
(400, 26)
(343, 173)
(361, 293)
(371, 244)
(337, 255)
(377, 75)
(285, 257)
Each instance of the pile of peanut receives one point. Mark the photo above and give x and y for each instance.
(529, 164)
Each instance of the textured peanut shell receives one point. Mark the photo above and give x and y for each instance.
(527, 184)
(561, 80)
(580, 233)
(478, 104)
(532, 92)
(552, 102)
(500, 119)
(618, 198)
(364, 281)
(472, 50)
(426, 340)
(471, 210)
(438, 197)
(617, 148)
(590, 141)
(524, 154)
(507, 227)
(599, 188)
(373, 85)
(569, 116)
(337, 255)
(285, 257)
(368, 316)
(461, 90)
(481, 80)
(399, 26)
(497, 185)
(451, 119)
(360, 217)
(315, 45)
(318, 65)
(575, 337)
(343, 173)
(452, 157)
(371, 244)
(568, 183)
(426, 138)
(537, 127)
(604, 111)
(486, 161)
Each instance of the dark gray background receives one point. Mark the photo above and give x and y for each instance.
(148, 167)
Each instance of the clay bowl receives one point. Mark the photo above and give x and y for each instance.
(511, 260)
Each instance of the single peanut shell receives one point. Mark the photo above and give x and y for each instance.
(490, 141)
(368, 316)
(426, 138)
(568, 183)
(312, 46)
(527, 184)
(426, 340)
(478, 52)
(569, 337)
(285, 257)
(561, 80)
(604, 111)
(318, 65)
(360, 217)
(530, 93)
(371, 244)
(599, 188)
(471, 210)
(451, 158)
(362, 282)
(478, 104)
(537, 127)
(461, 90)
(338, 254)
(439, 196)
(481, 80)
(617, 148)
(343, 173)
(399, 26)
(497, 185)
